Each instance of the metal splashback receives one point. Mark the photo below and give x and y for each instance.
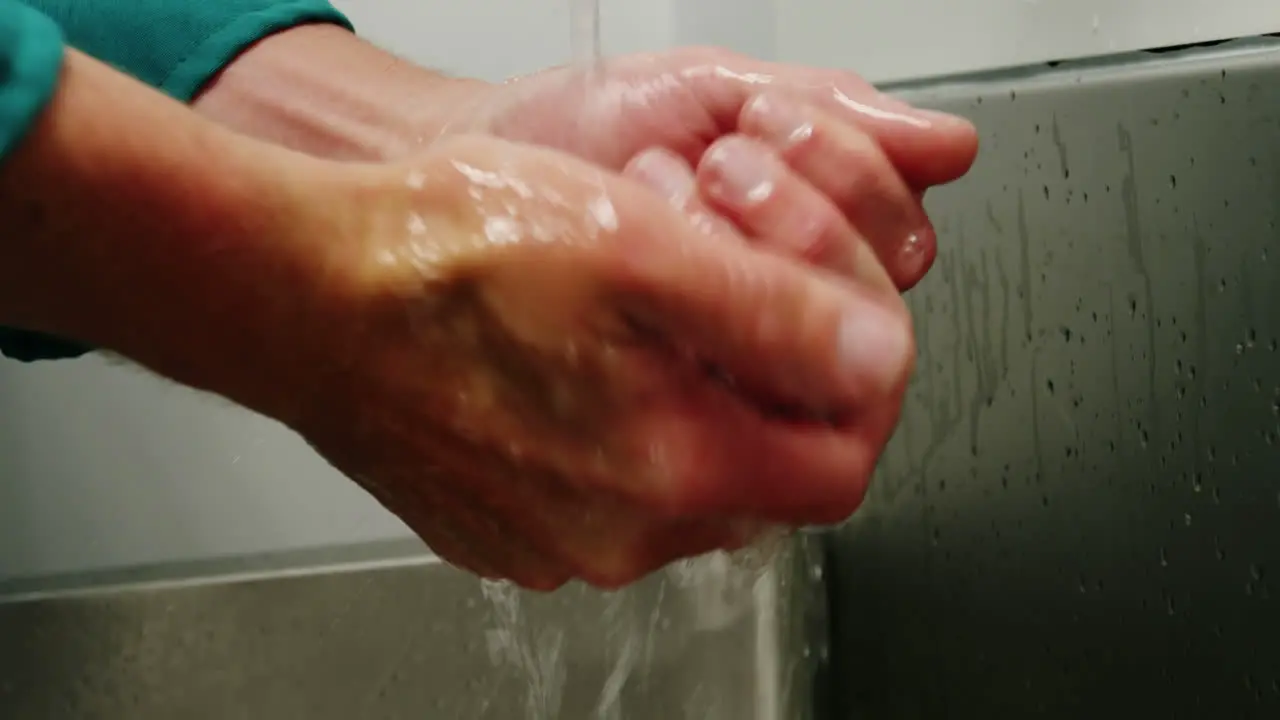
(1079, 517)
(710, 639)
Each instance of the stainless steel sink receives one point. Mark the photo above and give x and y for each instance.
(718, 638)
(1080, 515)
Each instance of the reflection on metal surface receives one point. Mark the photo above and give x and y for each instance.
(711, 639)
(1080, 516)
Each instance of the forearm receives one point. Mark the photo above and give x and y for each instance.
(322, 90)
(132, 224)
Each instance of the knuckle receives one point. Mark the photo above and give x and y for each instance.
(907, 327)
(896, 308)
(670, 494)
(824, 234)
(856, 495)
(742, 532)
(849, 83)
(711, 166)
(444, 153)
(640, 259)
(545, 582)
(613, 573)
(844, 502)
(807, 144)
(870, 172)
(629, 268)
(607, 583)
(681, 468)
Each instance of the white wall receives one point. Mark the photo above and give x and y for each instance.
(104, 467)
(899, 39)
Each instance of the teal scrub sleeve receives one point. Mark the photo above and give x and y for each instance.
(176, 46)
(30, 63)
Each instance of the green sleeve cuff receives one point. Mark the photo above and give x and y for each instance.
(30, 65)
(178, 45)
(26, 346)
(226, 43)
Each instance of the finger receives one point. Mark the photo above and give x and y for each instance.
(928, 148)
(670, 176)
(728, 460)
(791, 217)
(748, 183)
(782, 328)
(848, 166)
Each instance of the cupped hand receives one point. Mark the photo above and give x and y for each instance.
(875, 156)
(549, 373)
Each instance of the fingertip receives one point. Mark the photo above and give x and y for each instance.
(967, 144)
(917, 255)
(783, 121)
(674, 179)
(746, 181)
(949, 123)
(930, 147)
(739, 172)
(663, 172)
(951, 152)
(875, 350)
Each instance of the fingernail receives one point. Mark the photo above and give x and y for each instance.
(942, 120)
(665, 173)
(742, 172)
(784, 123)
(918, 246)
(874, 348)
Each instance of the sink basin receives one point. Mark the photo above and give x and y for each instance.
(716, 638)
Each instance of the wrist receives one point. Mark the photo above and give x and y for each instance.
(184, 250)
(321, 90)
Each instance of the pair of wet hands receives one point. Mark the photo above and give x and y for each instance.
(592, 359)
